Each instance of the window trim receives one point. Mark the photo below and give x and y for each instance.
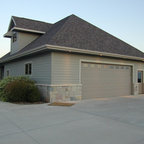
(107, 62)
(142, 79)
(28, 68)
(14, 37)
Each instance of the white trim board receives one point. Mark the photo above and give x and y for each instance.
(76, 50)
(103, 62)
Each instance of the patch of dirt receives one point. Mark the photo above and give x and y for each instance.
(61, 104)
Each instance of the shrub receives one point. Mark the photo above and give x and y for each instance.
(19, 89)
(3, 84)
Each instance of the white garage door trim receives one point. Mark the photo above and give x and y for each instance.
(116, 89)
(103, 62)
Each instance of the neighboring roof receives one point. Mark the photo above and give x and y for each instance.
(75, 32)
(31, 24)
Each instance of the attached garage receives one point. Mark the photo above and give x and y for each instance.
(72, 59)
(105, 80)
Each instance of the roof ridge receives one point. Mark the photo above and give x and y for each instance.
(51, 29)
(31, 19)
(61, 22)
(26, 23)
(66, 19)
(71, 16)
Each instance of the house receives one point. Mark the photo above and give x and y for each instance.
(72, 59)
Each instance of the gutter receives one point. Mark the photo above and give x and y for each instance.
(9, 33)
(69, 49)
(27, 30)
(24, 53)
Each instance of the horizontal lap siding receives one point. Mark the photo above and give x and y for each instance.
(23, 39)
(41, 68)
(61, 68)
(66, 67)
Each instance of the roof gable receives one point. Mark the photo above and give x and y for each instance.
(12, 24)
(25, 23)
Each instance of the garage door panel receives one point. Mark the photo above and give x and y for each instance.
(101, 80)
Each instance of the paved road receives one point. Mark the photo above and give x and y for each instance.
(101, 121)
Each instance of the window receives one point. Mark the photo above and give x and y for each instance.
(140, 76)
(7, 73)
(28, 68)
(14, 38)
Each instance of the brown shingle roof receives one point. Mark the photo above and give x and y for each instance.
(77, 33)
(31, 24)
(74, 32)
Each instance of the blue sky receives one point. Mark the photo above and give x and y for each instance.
(121, 18)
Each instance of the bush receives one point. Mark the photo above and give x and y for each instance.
(19, 89)
(3, 84)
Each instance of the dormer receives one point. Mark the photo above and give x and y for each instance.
(23, 31)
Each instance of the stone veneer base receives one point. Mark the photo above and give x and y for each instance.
(67, 92)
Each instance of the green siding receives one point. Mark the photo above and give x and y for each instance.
(41, 68)
(23, 39)
(63, 68)
(66, 68)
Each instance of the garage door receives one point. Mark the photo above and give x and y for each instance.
(102, 80)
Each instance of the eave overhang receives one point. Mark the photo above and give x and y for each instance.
(27, 30)
(71, 50)
(9, 33)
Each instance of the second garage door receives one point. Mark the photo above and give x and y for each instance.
(103, 80)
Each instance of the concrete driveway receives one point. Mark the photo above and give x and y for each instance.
(101, 121)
